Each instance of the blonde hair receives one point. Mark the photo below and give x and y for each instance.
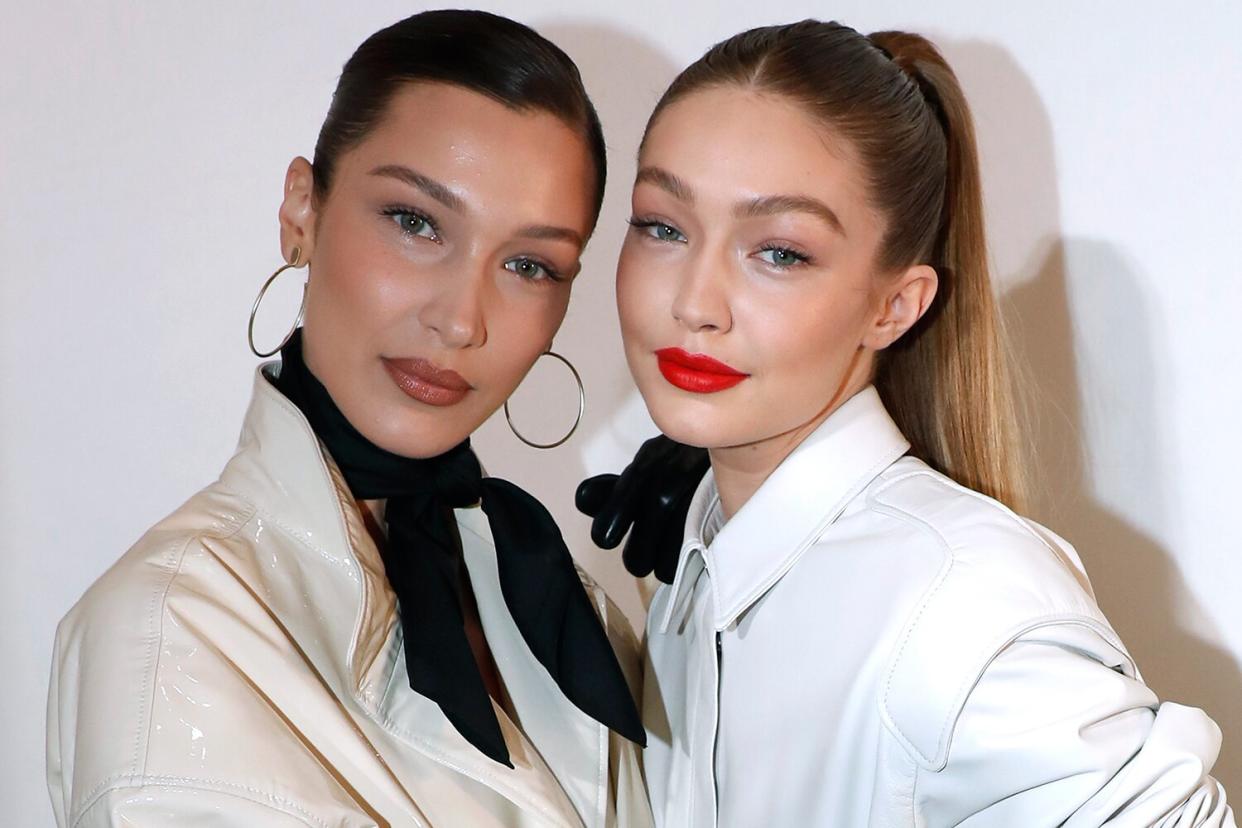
(895, 99)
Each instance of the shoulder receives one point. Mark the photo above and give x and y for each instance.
(122, 604)
(988, 553)
(107, 650)
(1000, 577)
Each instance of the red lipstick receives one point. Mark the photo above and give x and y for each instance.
(697, 373)
(427, 382)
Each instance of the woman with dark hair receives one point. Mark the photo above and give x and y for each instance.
(243, 664)
(859, 630)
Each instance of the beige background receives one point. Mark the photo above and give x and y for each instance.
(142, 148)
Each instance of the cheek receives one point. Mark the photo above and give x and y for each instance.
(356, 281)
(806, 340)
(521, 325)
(643, 297)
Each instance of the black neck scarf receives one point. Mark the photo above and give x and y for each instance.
(423, 561)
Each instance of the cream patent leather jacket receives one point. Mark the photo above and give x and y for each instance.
(241, 666)
(866, 643)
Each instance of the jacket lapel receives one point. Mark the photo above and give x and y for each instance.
(573, 745)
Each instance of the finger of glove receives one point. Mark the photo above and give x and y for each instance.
(642, 548)
(672, 535)
(593, 493)
(614, 517)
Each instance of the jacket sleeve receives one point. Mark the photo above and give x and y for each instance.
(161, 805)
(1051, 736)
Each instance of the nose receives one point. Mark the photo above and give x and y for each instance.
(455, 311)
(701, 304)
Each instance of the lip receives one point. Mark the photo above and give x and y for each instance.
(696, 373)
(426, 382)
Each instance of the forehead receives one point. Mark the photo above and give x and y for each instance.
(479, 147)
(733, 142)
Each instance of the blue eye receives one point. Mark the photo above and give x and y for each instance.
(531, 270)
(782, 256)
(658, 230)
(412, 223)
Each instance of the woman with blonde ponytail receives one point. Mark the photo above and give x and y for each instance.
(859, 627)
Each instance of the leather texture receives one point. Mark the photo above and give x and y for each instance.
(867, 643)
(241, 665)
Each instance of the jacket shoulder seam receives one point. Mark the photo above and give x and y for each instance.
(990, 503)
(172, 564)
(121, 781)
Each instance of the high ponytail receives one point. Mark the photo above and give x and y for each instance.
(893, 97)
(947, 386)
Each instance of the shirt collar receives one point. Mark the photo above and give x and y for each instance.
(799, 500)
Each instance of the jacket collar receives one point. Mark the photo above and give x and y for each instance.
(799, 500)
(280, 468)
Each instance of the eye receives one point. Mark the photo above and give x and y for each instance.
(782, 257)
(412, 222)
(658, 230)
(531, 270)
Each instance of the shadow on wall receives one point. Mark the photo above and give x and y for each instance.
(624, 76)
(1087, 345)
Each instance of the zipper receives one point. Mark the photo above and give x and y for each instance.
(716, 733)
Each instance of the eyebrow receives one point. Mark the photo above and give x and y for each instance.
(548, 231)
(449, 199)
(430, 186)
(772, 205)
(754, 208)
(666, 181)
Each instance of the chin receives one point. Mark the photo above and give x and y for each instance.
(689, 421)
(418, 437)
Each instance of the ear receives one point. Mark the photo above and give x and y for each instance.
(905, 300)
(297, 211)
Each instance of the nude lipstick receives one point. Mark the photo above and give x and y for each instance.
(697, 373)
(424, 381)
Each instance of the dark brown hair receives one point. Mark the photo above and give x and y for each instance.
(894, 100)
(482, 52)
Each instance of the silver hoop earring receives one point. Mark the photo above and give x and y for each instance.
(254, 309)
(577, 420)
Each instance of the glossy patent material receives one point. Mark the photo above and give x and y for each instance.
(241, 665)
(866, 643)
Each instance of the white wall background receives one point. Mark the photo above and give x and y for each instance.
(142, 149)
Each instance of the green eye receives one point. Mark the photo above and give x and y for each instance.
(412, 223)
(664, 232)
(658, 230)
(782, 256)
(530, 270)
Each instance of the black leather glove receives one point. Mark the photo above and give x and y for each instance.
(652, 496)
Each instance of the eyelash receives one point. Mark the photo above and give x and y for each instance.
(395, 210)
(647, 223)
(552, 273)
(800, 258)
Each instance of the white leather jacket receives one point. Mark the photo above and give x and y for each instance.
(241, 666)
(867, 643)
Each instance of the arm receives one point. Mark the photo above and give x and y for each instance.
(1051, 736)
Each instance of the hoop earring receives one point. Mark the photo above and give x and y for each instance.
(577, 420)
(254, 309)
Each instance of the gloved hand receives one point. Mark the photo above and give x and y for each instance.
(652, 496)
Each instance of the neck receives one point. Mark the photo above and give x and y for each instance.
(740, 470)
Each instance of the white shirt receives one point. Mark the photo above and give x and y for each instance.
(867, 643)
(242, 666)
